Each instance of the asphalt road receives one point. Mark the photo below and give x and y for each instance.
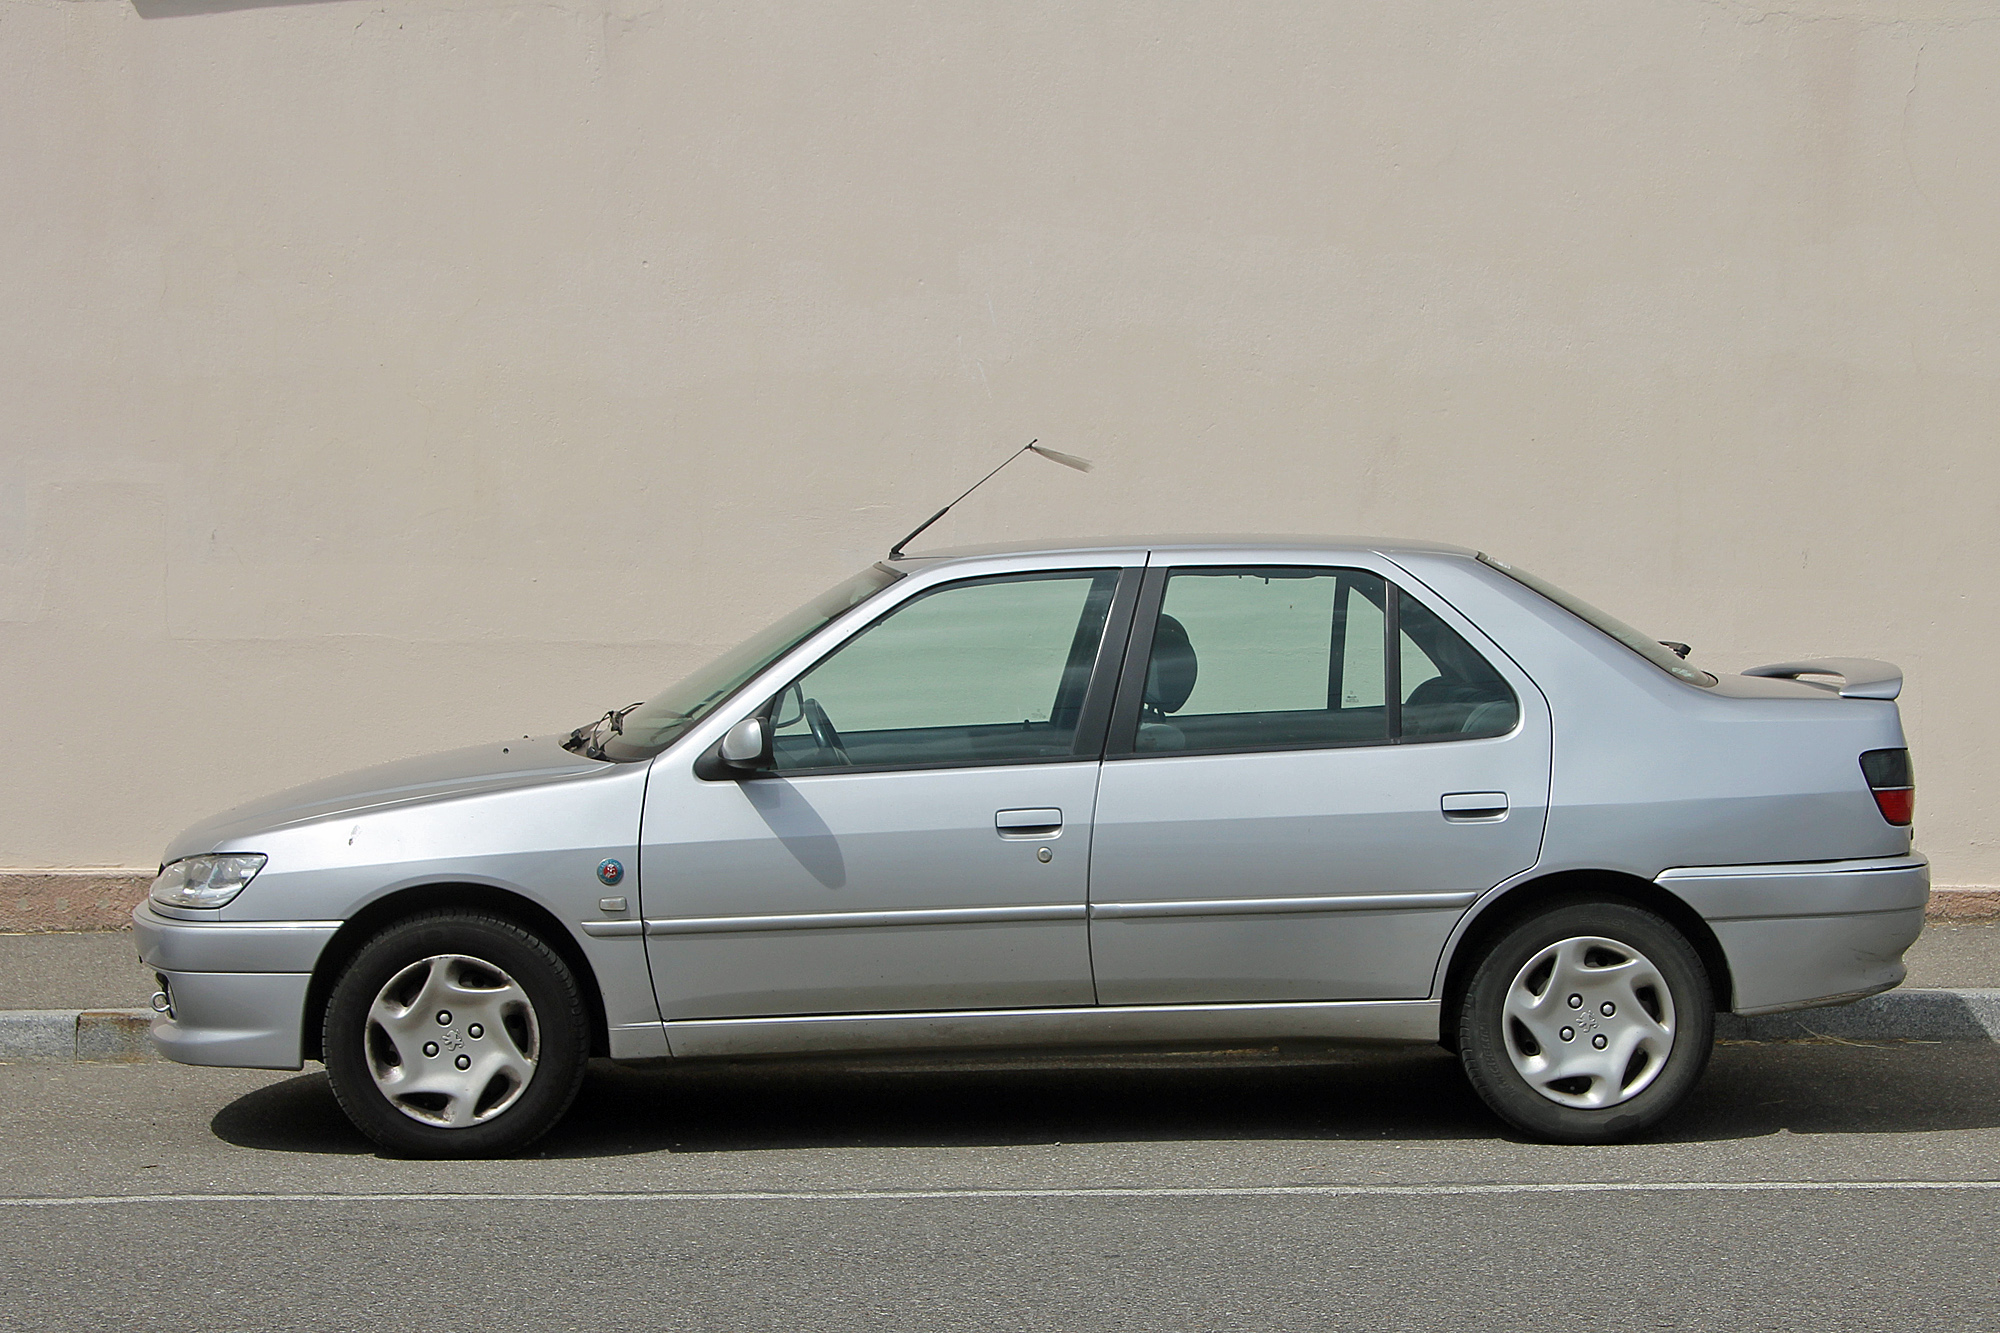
(1808, 1186)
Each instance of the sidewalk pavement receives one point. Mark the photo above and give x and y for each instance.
(83, 996)
(94, 969)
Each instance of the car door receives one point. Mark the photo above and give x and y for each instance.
(1311, 774)
(920, 840)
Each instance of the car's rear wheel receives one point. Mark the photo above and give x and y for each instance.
(1586, 1023)
(455, 1034)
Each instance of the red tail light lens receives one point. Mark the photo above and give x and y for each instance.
(1898, 804)
(1893, 782)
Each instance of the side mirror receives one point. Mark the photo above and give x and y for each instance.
(744, 749)
(747, 745)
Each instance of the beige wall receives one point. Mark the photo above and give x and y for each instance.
(380, 376)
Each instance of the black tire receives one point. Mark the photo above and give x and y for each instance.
(544, 1032)
(1521, 1082)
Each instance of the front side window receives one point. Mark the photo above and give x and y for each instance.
(1269, 658)
(981, 672)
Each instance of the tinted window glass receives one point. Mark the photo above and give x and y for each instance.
(1267, 658)
(1448, 689)
(1361, 684)
(1288, 658)
(988, 671)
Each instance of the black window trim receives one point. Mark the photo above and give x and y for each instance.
(1092, 717)
(1122, 737)
(1392, 661)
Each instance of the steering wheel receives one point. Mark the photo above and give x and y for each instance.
(823, 734)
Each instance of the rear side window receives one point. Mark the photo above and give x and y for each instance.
(1270, 658)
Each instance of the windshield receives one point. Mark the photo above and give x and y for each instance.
(652, 726)
(1661, 656)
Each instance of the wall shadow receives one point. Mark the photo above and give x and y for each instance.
(1751, 1090)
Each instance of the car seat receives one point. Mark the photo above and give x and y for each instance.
(1170, 677)
(1442, 706)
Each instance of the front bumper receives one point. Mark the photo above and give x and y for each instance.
(237, 989)
(1806, 934)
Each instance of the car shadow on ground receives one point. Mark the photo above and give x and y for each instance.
(1750, 1090)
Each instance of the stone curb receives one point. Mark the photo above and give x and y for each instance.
(118, 1036)
(63, 1036)
(1908, 1015)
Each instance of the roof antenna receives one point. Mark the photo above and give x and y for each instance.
(1067, 460)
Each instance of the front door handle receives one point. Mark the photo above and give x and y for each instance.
(1466, 807)
(1043, 823)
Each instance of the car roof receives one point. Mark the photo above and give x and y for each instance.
(1182, 542)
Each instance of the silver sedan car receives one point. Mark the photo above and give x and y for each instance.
(1092, 794)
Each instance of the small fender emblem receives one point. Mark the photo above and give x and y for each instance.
(610, 872)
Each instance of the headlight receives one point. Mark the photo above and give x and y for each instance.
(206, 881)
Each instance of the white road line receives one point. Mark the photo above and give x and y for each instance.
(1133, 1192)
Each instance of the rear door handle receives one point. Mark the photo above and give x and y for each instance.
(1043, 823)
(1466, 807)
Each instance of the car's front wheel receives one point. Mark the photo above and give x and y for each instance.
(1586, 1023)
(455, 1034)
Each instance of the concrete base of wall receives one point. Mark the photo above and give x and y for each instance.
(100, 899)
(1964, 904)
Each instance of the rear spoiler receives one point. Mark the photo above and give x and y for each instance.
(1860, 677)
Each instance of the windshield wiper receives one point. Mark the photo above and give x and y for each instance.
(591, 739)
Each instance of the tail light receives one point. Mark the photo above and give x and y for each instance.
(1889, 777)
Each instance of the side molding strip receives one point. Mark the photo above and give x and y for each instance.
(1863, 866)
(1394, 1021)
(1370, 902)
(940, 916)
(976, 916)
(1802, 889)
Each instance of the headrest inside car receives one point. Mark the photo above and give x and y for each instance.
(1170, 675)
